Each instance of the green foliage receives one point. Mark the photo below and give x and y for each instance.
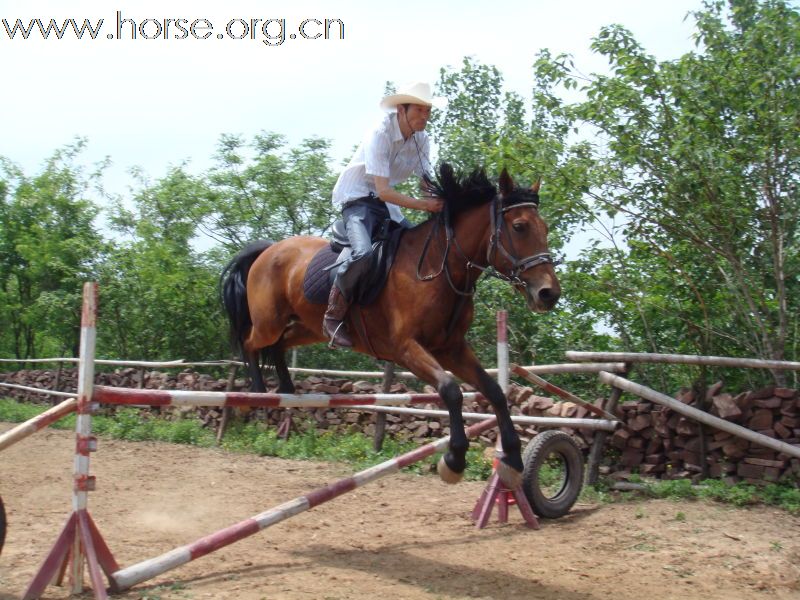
(48, 247)
(354, 449)
(675, 489)
(689, 169)
(470, 123)
(18, 412)
(264, 191)
(784, 495)
(740, 494)
(698, 159)
(134, 425)
(158, 302)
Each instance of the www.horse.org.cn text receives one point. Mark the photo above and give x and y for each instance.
(271, 32)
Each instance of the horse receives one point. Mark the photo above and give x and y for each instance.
(421, 317)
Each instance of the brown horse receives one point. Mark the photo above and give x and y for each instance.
(421, 317)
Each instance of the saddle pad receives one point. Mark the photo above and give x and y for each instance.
(317, 282)
(318, 278)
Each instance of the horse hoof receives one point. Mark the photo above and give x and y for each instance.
(446, 473)
(510, 477)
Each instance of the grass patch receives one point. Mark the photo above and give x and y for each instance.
(785, 495)
(355, 449)
(18, 412)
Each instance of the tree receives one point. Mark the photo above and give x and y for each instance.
(159, 299)
(701, 157)
(274, 194)
(48, 247)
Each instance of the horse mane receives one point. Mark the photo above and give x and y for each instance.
(463, 191)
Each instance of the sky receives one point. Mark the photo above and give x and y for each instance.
(156, 103)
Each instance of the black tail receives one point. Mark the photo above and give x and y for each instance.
(233, 292)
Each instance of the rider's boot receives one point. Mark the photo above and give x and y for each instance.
(333, 326)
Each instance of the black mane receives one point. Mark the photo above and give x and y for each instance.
(463, 191)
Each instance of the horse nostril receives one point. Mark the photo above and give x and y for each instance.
(548, 296)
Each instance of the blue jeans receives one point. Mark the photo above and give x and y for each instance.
(363, 220)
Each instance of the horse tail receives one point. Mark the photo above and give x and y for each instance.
(233, 292)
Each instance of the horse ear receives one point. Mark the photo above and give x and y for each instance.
(506, 183)
(535, 186)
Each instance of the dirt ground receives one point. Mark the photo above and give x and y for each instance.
(402, 537)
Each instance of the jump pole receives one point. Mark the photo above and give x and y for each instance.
(31, 426)
(145, 570)
(112, 395)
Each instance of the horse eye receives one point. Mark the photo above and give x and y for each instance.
(520, 226)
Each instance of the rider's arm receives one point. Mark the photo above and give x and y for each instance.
(388, 194)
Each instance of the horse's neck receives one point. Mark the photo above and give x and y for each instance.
(471, 231)
(468, 243)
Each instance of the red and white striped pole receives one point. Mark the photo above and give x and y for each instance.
(113, 395)
(80, 541)
(502, 361)
(84, 442)
(83, 425)
(145, 570)
(31, 426)
(502, 350)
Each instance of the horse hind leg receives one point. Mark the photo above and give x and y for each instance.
(263, 347)
(276, 356)
(253, 362)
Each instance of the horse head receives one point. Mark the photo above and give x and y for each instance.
(518, 247)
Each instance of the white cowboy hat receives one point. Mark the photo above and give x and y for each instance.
(413, 93)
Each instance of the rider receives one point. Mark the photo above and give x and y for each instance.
(365, 191)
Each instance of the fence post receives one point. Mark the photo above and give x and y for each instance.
(599, 442)
(226, 411)
(380, 418)
(53, 398)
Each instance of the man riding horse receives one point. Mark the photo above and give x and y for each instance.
(389, 154)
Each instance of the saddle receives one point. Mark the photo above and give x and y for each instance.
(321, 270)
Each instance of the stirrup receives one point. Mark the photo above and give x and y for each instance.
(331, 344)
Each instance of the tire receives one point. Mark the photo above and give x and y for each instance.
(2, 525)
(552, 502)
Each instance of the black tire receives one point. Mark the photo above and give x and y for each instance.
(545, 447)
(2, 525)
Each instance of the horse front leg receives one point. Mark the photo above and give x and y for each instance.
(422, 363)
(461, 360)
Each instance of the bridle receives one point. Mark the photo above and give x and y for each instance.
(498, 226)
(518, 265)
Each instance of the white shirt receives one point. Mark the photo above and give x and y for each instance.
(383, 153)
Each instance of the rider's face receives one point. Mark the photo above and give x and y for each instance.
(417, 116)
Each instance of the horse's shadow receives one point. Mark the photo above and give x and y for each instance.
(438, 577)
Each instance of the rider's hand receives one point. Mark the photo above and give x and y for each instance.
(432, 204)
